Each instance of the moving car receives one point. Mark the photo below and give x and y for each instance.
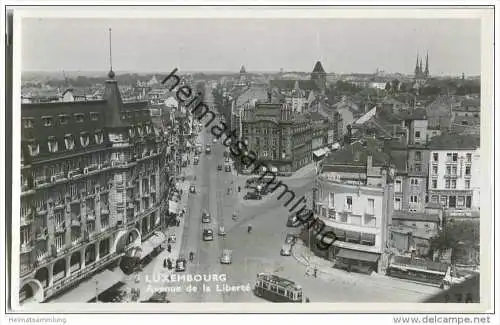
(192, 189)
(196, 160)
(180, 264)
(222, 231)
(208, 150)
(226, 257)
(208, 234)
(172, 238)
(219, 167)
(206, 218)
(214, 140)
(286, 250)
(227, 168)
(252, 196)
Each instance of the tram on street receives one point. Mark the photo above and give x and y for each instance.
(423, 271)
(277, 289)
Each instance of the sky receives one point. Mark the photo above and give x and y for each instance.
(342, 45)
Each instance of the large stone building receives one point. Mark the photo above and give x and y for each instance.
(279, 138)
(90, 178)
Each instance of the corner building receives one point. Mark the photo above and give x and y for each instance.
(90, 189)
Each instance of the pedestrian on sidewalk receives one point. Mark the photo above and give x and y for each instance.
(316, 272)
(169, 248)
(164, 263)
(178, 222)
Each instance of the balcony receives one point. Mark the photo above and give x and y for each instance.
(42, 257)
(60, 228)
(91, 215)
(152, 190)
(26, 247)
(76, 221)
(26, 220)
(59, 177)
(370, 228)
(451, 176)
(41, 210)
(75, 199)
(104, 210)
(42, 234)
(119, 185)
(130, 206)
(41, 181)
(58, 205)
(76, 173)
(25, 188)
(106, 165)
(91, 169)
(118, 163)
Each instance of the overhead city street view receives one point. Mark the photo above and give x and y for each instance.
(293, 185)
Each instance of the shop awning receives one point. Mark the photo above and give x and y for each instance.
(151, 243)
(173, 207)
(87, 290)
(325, 238)
(358, 255)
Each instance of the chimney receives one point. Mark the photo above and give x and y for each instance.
(369, 162)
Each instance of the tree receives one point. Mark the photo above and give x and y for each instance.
(462, 237)
(395, 85)
(388, 87)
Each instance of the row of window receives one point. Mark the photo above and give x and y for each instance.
(61, 119)
(69, 141)
(452, 184)
(452, 157)
(451, 201)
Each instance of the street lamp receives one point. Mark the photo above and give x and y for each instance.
(96, 291)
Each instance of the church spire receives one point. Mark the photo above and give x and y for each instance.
(416, 67)
(420, 67)
(427, 65)
(111, 74)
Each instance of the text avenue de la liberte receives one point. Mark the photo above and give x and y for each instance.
(247, 158)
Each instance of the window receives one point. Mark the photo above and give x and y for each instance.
(414, 181)
(435, 198)
(461, 201)
(63, 119)
(434, 183)
(455, 157)
(468, 201)
(84, 139)
(417, 134)
(418, 155)
(447, 183)
(467, 171)
(94, 116)
(448, 170)
(79, 117)
(371, 206)
(349, 202)
(453, 183)
(454, 170)
(418, 168)
(448, 157)
(69, 141)
(435, 169)
(397, 204)
(444, 200)
(331, 200)
(27, 123)
(98, 137)
(414, 199)
(467, 183)
(452, 203)
(469, 157)
(34, 148)
(131, 132)
(435, 157)
(53, 145)
(47, 120)
(398, 186)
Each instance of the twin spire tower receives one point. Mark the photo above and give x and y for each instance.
(419, 72)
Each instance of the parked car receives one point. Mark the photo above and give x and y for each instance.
(286, 250)
(208, 235)
(192, 189)
(196, 160)
(219, 167)
(172, 238)
(206, 218)
(252, 196)
(227, 168)
(222, 231)
(226, 257)
(180, 264)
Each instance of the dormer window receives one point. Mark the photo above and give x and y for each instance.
(131, 132)
(94, 116)
(148, 129)
(69, 141)
(79, 117)
(124, 115)
(27, 123)
(63, 119)
(139, 131)
(53, 145)
(47, 120)
(84, 139)
(98, 136)
(34, 148)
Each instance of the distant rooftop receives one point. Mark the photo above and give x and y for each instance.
(447, 141)
(356, 154)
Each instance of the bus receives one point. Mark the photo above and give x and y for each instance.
(277, 289)
(424, 271)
